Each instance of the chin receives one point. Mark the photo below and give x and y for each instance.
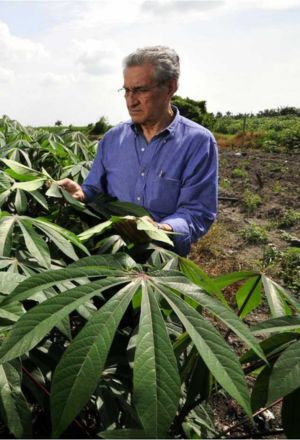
(137, 118)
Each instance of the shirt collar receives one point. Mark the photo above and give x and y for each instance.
(168, 130)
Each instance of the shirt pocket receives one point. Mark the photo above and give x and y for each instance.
(163, 195)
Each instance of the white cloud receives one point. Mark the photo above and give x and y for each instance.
(279, 5)
(182, 7)
(97, 57)
(54, 79)
(229, 50)
(6, 75)
(15, 49)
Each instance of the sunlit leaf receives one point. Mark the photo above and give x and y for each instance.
(156, 378)
(80, 368)
(39, 320)
(213, 349)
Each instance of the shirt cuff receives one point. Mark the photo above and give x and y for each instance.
(182, 241)
(89, 193)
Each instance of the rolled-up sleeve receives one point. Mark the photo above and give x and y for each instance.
(197, 202)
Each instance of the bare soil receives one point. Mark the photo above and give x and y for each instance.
(276, 179)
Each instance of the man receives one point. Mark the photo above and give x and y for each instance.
(158, 159)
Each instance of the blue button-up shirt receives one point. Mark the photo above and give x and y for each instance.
(174, 176)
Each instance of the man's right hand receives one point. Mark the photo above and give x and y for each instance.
(73, 188)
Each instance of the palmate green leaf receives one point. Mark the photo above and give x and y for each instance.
(121, 261)
(231, 278)
(39, 282)
(290, 414)
(80, 368)
(155, 375)
(153, 231)
(259, 395)
(213, 349)
(14, 409)
(68, 235)
(6, 229)
(29, 186)
(58, 239)
(4, 196)
(220, 311)
(40, 199)
(276, 304)
(21, 169)
(281, 324)
(54, 191)
(95, 230)
(248, 297)
(194, 273)
(34, 243)
(20, 202)
(271, 346)
(289, 298)
(38, 321)
(8, 315)
(285, 377)
(9, 281)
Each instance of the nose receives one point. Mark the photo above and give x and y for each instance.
(131, 98)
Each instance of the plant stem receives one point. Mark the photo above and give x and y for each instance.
(46, 391)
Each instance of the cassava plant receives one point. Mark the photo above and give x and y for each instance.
(105, 333)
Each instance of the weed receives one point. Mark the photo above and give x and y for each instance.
(270, 146)
(254, 234)
(251, 201)
(290, 264)
(270, 257)
(277, 168)
(286, 263)
(225, 183)
(239, 173)
(288, 219)
(277, 187)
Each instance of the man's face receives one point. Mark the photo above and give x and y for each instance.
(151, 103)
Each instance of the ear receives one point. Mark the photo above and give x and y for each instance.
(172, 87)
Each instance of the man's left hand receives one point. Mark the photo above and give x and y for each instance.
(164, 226)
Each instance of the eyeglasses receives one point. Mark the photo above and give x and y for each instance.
(136, 91)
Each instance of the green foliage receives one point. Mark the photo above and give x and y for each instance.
(100, 127)
(239, 173)
(290, 264)
(288, 219)
(254, 234)
(128, 339)
(251, 201)
(194, 110)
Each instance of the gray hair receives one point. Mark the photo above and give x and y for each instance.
(164, 59)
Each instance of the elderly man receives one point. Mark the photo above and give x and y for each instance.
(158, 159)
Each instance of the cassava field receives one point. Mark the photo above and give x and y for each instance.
(105, 333)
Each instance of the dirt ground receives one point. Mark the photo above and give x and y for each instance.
(275, 178)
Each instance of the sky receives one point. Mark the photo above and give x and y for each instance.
(62, 60)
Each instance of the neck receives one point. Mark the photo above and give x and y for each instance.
(151, 129)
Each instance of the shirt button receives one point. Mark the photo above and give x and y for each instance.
(138, 198)
(142, 174)
(142, 149)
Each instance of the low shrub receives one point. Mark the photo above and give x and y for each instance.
(251, 201)
(289, 218)
(254, 234)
